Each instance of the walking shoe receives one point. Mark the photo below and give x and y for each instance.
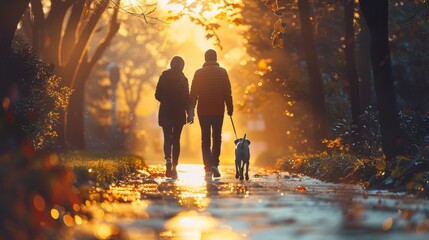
(208, 174)
(215, 171)
(174, 173)
(168, 172)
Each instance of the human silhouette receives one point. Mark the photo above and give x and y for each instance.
(211, 90)
(172, 91)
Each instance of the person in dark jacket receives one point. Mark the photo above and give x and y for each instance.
(172, 91)
(211, 88)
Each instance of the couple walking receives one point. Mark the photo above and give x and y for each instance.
(211, 89)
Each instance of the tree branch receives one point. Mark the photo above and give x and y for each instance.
(113, 29)
(39, 19)
(80, 49)
(54, 22)
(70, 34)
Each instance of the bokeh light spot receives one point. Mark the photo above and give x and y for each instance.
(300, 188)
(39, 203)
(54, 213)
(387, 224)
(68, 220)
(78, 220)
(105, 231)
(422, 226)
(6, 103)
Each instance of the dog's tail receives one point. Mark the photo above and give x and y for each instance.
(242, 141)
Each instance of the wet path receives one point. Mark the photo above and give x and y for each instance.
(272, 205)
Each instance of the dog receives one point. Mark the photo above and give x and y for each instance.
(242, 157)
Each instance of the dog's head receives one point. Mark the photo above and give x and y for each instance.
(242, 142)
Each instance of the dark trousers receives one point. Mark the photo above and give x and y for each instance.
(172, 142)
(211, 128)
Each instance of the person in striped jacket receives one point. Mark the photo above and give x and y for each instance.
(211, 91)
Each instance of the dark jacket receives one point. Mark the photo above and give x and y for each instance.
(212, 89)
(172, 92)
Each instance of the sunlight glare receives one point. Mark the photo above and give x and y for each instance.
(196, 225)
(215, 10)
(189, 2)
(133, 3)
(191, 175)
(191, 225)
(198, 8)
(174, 7)
(192, 189)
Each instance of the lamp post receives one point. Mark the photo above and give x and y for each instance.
(114, 77)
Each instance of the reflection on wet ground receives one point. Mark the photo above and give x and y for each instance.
(272, 205)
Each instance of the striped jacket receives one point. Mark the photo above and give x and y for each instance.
(211, 88)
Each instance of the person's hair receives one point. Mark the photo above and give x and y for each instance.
(177, 63)
(210, 55)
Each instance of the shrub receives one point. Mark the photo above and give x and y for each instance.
(37, 194)
(41, 100)
(367, 141)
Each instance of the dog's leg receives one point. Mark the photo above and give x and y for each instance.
(237, 168)
(241, 170)
(247, 170)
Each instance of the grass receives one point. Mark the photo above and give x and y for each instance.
(338, 168)
(101, 169)
(407, 173)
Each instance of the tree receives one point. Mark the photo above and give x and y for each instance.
(352, 73)
(207, 14)
(316, 84)
(316, 93)
(409, 31)
(376, 16)
(364, 66)
(349, 7)
(10, 14)
(62, 36)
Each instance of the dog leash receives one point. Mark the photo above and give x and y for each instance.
(233, 126)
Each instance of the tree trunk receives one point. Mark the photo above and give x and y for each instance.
(376, 17)
(53, 27)
(74, 119)
(38, 35)
(317, 99)
(74, 131)
(69, 37)
(351, 62)
(364, 68)
(10, 14)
